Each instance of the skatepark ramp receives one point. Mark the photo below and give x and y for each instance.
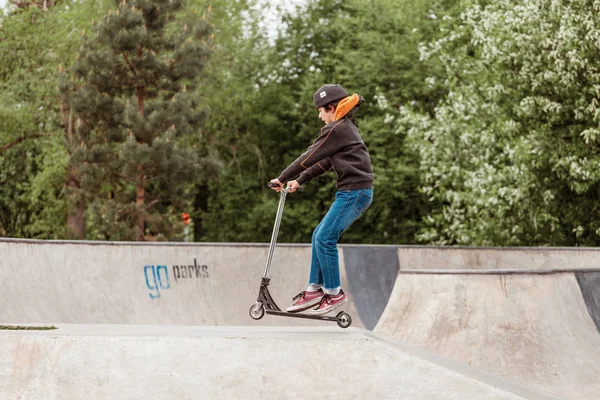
(252, 363)
(175, 283)
(529, 315)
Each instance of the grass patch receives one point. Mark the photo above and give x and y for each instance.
(26, 328)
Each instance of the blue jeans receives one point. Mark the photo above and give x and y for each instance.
(325, 266)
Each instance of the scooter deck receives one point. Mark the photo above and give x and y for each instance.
(301, 315)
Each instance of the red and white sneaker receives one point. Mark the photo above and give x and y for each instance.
(329, 303)
(305, 300)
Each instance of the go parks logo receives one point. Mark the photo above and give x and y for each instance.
(157, 276)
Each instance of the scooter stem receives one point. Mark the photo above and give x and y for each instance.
(284, 193)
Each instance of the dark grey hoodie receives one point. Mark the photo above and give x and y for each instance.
(338, 147)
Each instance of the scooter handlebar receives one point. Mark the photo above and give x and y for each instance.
(272, 185)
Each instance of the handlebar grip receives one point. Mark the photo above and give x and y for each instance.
(272, 185)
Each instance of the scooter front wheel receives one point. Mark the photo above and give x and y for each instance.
(257, 311)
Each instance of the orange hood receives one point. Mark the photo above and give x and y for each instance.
(346, 105)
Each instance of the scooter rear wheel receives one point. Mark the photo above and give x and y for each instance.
(257, 311)
(344, 320)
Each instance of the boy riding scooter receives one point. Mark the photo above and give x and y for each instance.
(340, 148)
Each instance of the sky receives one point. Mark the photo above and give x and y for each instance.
(271, 19)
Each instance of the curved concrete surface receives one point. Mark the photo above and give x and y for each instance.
(164, 283)
(533, 329)
(371, 272)
(162, 362)
(485, 258)
(480, 306)
(589, 283)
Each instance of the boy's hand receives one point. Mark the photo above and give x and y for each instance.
(277, 185)
(293, 186)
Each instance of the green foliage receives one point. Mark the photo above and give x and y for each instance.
(481, 118)
(371, 49)
(223, 209)
(33, 43)
(511, 155)
(139, 116)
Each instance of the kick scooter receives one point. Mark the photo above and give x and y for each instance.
(265, 303)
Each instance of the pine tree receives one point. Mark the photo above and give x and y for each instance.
(134, 92)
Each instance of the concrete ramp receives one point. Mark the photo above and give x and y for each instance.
(371, 273)
(161, 362)
(530, 315)
(150, 283)
(533, 328)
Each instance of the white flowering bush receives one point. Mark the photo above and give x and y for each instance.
(511, 156)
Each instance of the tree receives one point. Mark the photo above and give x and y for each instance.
(134, 96)
(229, 93)
(41, 4)
(32, 151)
(370, 48)
(511, 156)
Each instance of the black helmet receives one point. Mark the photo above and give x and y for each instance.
(328, 94)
